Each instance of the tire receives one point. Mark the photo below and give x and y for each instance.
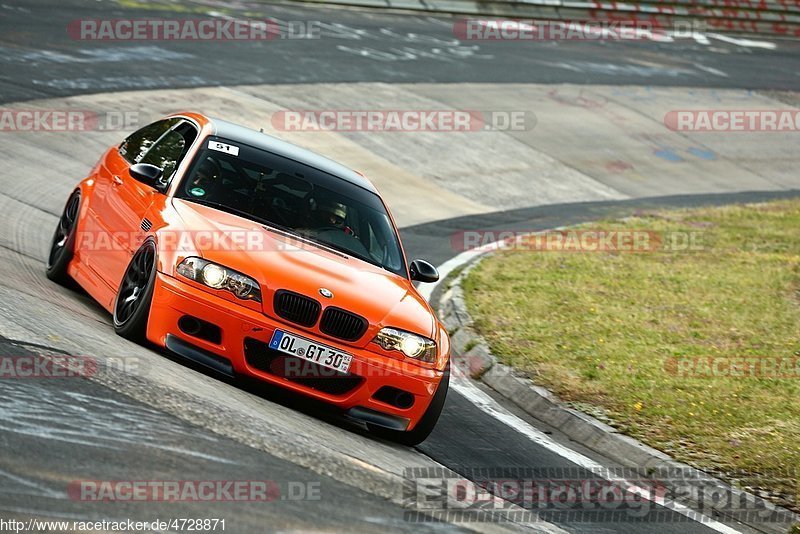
(135, 294)
(425, 426)
(62, 246)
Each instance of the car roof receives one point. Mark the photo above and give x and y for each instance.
(242, 134)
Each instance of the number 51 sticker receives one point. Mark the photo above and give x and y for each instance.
(222, 147)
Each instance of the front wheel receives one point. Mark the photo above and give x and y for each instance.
(62, 246)
(135, 294)
(425, 425)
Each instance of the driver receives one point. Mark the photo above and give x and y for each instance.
(332, 214)
(206, 177)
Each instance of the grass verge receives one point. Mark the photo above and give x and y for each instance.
(694, 352)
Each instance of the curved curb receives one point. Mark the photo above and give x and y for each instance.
(472, 356)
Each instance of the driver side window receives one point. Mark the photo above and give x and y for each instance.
(166, 153)
(139, 142)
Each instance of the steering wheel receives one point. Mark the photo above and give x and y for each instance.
(329, 229)
(276, 209)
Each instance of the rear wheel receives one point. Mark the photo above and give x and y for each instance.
(425, 426)
(132, 305)
(62, 245)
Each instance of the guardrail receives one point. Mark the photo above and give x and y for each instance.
(766, 17)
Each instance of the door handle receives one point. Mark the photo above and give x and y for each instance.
(117, 180)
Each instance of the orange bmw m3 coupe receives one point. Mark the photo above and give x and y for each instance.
(256, 257)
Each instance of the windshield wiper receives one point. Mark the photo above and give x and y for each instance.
(234, 211)
(349, 252)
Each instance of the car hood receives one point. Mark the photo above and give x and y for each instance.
(278, 262)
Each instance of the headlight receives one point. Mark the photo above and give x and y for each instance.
(219, 277)
(214, 276)
(414, 346)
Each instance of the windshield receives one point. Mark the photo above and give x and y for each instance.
(291, 196)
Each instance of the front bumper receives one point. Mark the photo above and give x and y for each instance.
(242, 348)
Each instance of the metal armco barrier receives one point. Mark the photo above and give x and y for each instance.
(761, 16)
(780, 18)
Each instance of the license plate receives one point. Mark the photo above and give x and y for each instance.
(311, 351)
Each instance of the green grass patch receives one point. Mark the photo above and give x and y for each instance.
(601, 329)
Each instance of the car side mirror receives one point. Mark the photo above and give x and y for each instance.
(147, 174)
(422, 271)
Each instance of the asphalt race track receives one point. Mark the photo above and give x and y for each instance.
(597, 147)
